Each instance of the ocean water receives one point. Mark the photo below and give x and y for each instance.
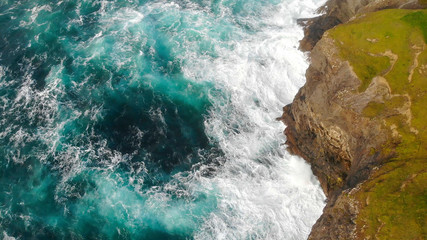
(147, 119)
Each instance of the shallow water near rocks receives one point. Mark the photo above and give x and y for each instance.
(151, 120)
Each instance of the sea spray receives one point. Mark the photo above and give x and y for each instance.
(151, 120)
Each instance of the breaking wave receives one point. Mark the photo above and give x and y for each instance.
(151, 120)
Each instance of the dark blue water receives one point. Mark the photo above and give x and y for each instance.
(112, 126)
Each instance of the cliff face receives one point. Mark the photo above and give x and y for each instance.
(325, 122)
(325, 125)
(358, 121)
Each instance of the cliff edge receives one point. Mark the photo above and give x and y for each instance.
(360, 121)
(341, 11)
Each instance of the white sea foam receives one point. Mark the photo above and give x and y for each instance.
(2, 73)
(261, 191)
(264, 192)
(7, 237)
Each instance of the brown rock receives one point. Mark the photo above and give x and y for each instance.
(325, 123)
(325, 126)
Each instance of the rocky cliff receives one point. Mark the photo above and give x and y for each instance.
(360, 121)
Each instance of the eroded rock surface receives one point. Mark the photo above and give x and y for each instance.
(325, 124)
(358, 155)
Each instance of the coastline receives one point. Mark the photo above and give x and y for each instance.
(328, 124)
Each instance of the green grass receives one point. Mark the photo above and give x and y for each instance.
(393, 212)
(390, 33)
(418, 19)
(397, 203)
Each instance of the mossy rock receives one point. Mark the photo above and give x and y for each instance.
(392, 44)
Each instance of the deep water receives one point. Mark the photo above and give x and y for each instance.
(151, 120)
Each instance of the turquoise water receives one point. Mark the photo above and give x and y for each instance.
(151, 120)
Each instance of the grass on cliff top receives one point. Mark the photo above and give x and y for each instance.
(392, 44)
(396, 201)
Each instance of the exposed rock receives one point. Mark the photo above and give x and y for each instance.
(327, 127)
(314, 29)
(339, 216)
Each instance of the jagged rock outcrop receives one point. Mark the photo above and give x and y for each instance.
(341, 11)
(347, 148)
(325, 126)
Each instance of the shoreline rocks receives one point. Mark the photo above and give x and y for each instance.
(325, 122)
